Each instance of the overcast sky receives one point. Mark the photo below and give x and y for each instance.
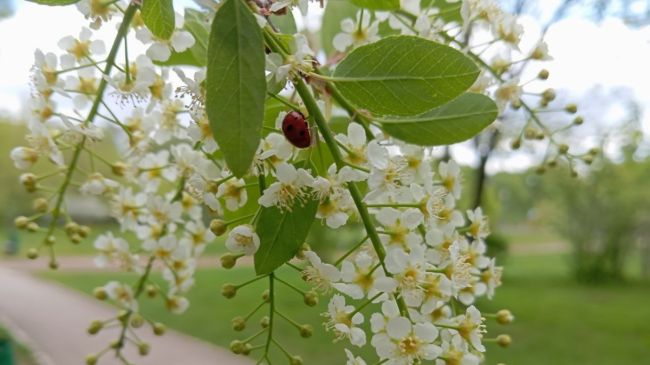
(608, 56)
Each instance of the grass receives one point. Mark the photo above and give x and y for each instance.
(21, 354)
(558, 321)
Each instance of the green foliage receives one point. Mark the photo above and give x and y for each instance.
(404, 75)
(196, 24)
(335, 12)
(453, 122)
(284, 23)
(449, 11)
(54, 2)
(159, 17)
(377, 4)
(282, 233)
(236, 84)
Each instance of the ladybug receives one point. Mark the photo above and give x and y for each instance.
(296, 130)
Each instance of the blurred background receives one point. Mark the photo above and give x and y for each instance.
(575, 246)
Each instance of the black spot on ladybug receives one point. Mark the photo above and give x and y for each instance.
(296, 129)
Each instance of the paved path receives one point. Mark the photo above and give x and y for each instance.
(52, 320)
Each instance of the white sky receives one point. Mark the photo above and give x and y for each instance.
(586, 55)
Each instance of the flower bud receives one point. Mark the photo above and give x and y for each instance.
(151, 291)
(228, 261)
(119, 168)
(53, 264)
(91, 359)
(29, 182)
(266, 296)
(311, 298)
(159, 329)
(137, 321)
(540, 170)
(95, 327)
(504, 316)
(504, 340)
(578, 120)
(32, 227)
(296, 360)
(237, 347)
(123, 315)
(21, 222)
(563, 148)
(75, 239)
(32, 254)
(265, 321)
(247, 349)
(84, 231)
(515, 144)
(543, 74)
(218, 227)
(548, 95)
(229, 291)
(143, 349)
(571, 108)
(71, 228)
(40, 205)
(588, 159)
(305, 331)
(100, 293)
(49, 240)
(238, 323)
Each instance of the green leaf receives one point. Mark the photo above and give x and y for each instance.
(454, 122)
(185, 58)
(335, 12)
(159, 17)
(54, 2)
(285, 23)
(282, 233)
(377, 4)
(448, 11)
(404, 75)
(196, 24)
(236, 84)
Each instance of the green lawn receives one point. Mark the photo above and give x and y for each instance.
(21, 354)
(558, 322)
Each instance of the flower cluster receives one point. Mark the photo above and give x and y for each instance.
(408, 288)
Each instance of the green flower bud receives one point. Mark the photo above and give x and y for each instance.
(143, 349)
(228, 261)
(151, 291)
(237, 347)
(159, 329)
(504, 316)
(571, 108)
(311, 298)
(21, 222)
(264, 321)
(91, 359)
(100, 293)
(543, 74)
(238, 323)
(95, 327)
(137, 321)
(578, 120)
(296, 360)
(229, 290)
(218, 227)
(40, 205)
(32, 254)
(504, 340)
(306, 331)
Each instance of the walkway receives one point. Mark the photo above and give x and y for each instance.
(52, 320)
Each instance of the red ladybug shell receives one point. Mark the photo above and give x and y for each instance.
(296, 129)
